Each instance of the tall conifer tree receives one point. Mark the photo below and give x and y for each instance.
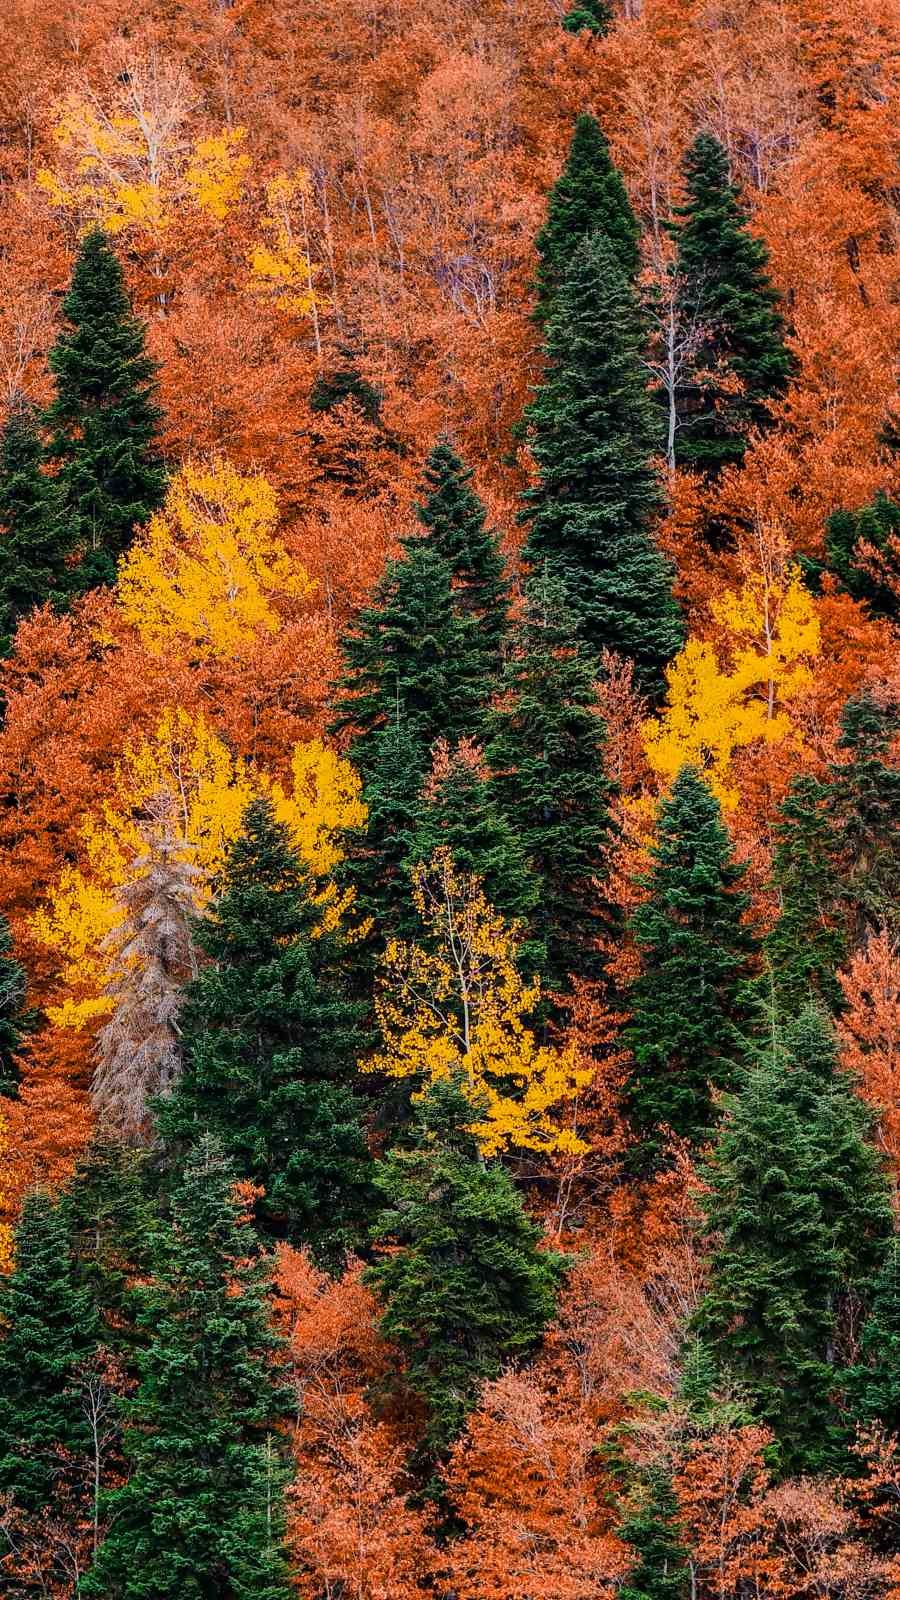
(456, 525)
(104, 421)
(545, 746)
(35, 538)
(741, 365)
(201, 1515)
(270, 1043)
(693, 997)
(800, 1220)
(15, 1021)
(592, 429)
(48, 1329)
(588, 197)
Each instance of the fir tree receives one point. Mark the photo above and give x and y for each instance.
(808, 943)
(201, 1515)
(864, 803)
(15, 1021)
(799, 1216)
(588, 198)
(411, 657)
(591, 16)
(650, 1527)
(458, 810)
(104, 421)
(693, 997)
(592, 429)
(49, 1329)
(270, 1043)
(853, 536)
(876, 1381)
(34, 535)
(545, 746)
(377, 856)
(464, 1286)
(741, 365)
(454, 518)
(109, 1207)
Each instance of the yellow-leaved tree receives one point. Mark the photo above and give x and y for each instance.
(208, 568)
(282, 267)
(768, 638)
(455, 1007)
(209, 790)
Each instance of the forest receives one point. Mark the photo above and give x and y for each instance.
(449, 800)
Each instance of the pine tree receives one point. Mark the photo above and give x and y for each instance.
(849, 537)
(458, 810)
(592, 429)
(15, 1021)
(48, 1329)
(109, 1207)
(693, 997)
(463, 1283)
(34, 536)
(201, 1515)
(270, 1044)
(876, 1380)
(455, 518)
(799, 1217)
(411, 658)
(104, 421)
(741, 365)
(591, 16)
(808, 943)
(152, 957)
(545, 745)
(650, 1527)
(587, 198)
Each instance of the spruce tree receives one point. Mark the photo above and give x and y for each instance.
(464, 1287)
(35, 538)
(15, 1021)
(455, 521)
(411, 657)
(876, 1380)
(545, 746)
(693, 997)
(590, 16)
(109, 1207)
(808, 943)
(799, 1219)
(592, 429)
(587, 198)
(741, 364)
(201, 1515)
(104, 421)
(650, 1527)
(377, 855)
(850, 537)
(48, 1329)
(459, 810)
(270, 1043)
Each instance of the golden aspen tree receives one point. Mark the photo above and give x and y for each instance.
(455, 1007)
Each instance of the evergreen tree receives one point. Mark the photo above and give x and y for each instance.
(799, 1217)
(727, 293)
(458, 810)
(592, 429)
(545, 746)
(15, 1021)
(411, 657)
(591, 16)
(104, 421)
(587, 198)
(876, 1385)
(455, 521)
(34, 535)
(693, 996)
(464, 1286)
(808, 943)
(110, 1213)
(849, 537)
(864, 804)
(201, 1515)
(270, 1043)
(650, 1527)
(48, 1329)
(377, 856)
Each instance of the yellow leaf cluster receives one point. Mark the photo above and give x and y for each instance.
(215, 173)
(211, 790)
(133, 170)
(769, 637)
(281, 268)
(208, 567)
(455, 1007)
